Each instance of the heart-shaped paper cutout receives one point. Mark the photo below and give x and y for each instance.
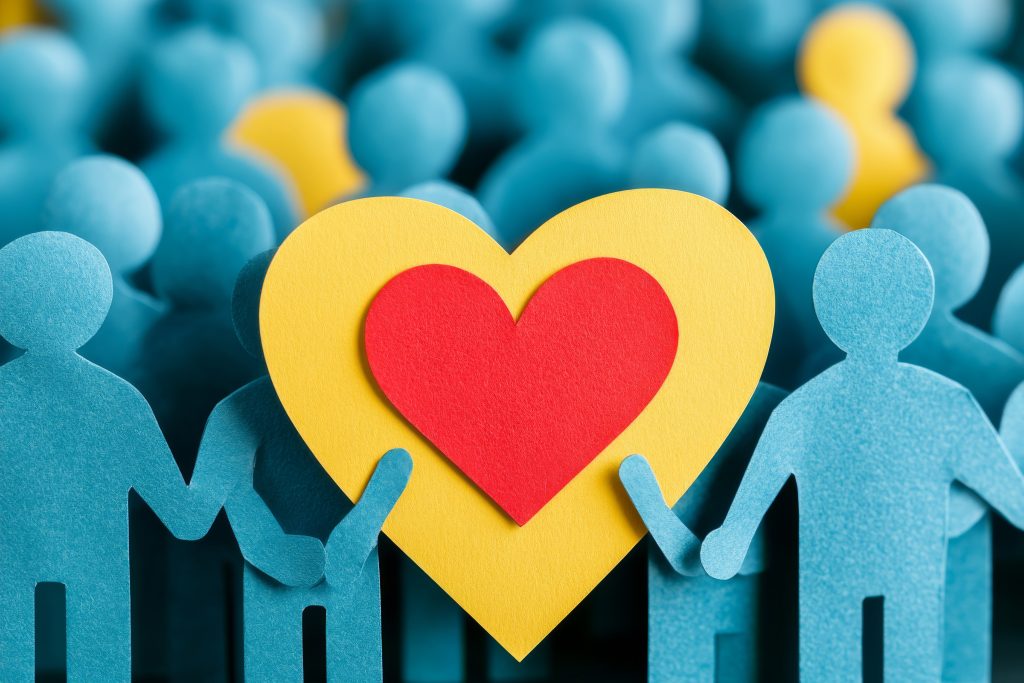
(522, 406)
(518, 582)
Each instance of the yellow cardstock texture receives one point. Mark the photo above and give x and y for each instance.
(517, 582)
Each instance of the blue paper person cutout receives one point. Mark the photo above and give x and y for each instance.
(690, 614)
(43, 80)
(678, 156)
(195, 83)
(407, 125)
(192, 359)
(874, 445)
(110, 203)
(457, 199)
(283, 508)
(948, 229)
(941, 28)
(572, 84)
(75, 440)
(659, 37)
(794, 160)
(969, 114)
(285, 36)
(1008, 319)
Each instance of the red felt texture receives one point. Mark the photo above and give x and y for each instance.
(522, 407)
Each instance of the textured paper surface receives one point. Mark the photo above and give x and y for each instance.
(518, 582)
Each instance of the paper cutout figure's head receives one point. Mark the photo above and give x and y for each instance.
(794, 154)
(857, 58)
(55, 291)
(873, 293)
(286, 37)
(213, 227)
(407, 124)
(943, 27)
(245, 302)
(650, 28)
(948, 229)
(968, 109)
(1011, 429)
(1008, 320)
(571, 72)
(109, 203)
(196, 82)
(43, 81)
(453, 197)
(678, 156)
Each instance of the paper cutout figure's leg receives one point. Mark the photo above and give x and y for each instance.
(273, 629)
(683, 620)
(433, 630)
(354, 651)
(99, 624)
(967, 647)
(912, 640)
(17, 629)
(831, 626)
(501, 666)
(736, 645)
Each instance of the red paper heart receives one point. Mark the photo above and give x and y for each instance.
(522, 407)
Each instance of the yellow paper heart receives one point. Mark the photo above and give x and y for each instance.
(517, 582)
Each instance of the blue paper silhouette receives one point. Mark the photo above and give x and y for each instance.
(678, 156)
(571, 88)
(195, 83)
(75, 440)
(968, 115)
(407, 125)
(110, 203)
(43, 82)
(690, 613)
(874, 445)
(283, 508)
(285, 36)
(794, 159)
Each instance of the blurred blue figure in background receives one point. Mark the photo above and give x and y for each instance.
(658, 36)
(285, 36)
(193, 360)
(700, 628)
(571, 88)
(969, 114)
(43, 90)
(195, 84)
(110, 203)
(947, 228)
(942, 28)
(794, 160)
(679, 156)
(407, 125)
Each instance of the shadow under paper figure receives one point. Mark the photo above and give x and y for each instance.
(75, 439)
(875, 446)
(700, 628)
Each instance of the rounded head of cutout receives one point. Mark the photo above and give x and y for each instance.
(948, 229)
(213, 227)
(245, 302)
(873, 292)
(110, 203)
(857, 58)
(651, 28)
(794, 154)
(43, 82)
(451, 196)
(572, 72)
(55, 291)
(286, 37)
(407, 124)
(678, 156)
(1008, 320)
(197, 81)
(941, 27)
(968, 109)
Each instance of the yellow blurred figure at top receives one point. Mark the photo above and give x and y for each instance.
(15, 13)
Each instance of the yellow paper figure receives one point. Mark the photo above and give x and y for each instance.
(304, 133)
(859, 60)
(15, 13)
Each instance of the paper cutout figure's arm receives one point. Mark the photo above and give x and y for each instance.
(292, 560)
(187, 511)
(680, 546)
(987, 467)
(355, 537)
(725, 548)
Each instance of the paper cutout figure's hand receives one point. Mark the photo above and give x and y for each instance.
(292, 560)
(680, 546)
(355, 537)
(987, 467)
(965, 509)
(722, 554)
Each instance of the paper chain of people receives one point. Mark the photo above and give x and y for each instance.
(894, 465)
